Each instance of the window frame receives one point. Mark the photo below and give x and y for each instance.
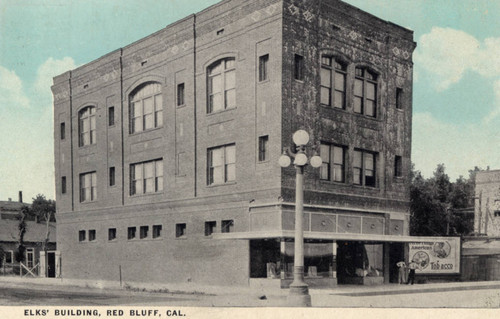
(82, 235)
(157, 229)
(331, 164)
(180, 94)
(139, 96)
(398, 166)
(143, 232)
(131, 233)
(227, 226)
(111, 116)
(111, 234)
(298, 67)
(158, 180)
(227, 67)
(362, 75)
(226, 166)
(92, 235)
(263, 152)
(363, 169)
(399, 98)
(63, 185)
(112, 176)
(264, 67)
(334, 66)
(63, 131)
(180, 230)
(210, 227)
(92, 187)
(11, 254)
(87, 115)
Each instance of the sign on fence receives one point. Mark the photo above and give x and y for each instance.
(440, 256)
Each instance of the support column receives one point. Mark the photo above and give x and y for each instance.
(58, 264)
(43, 265)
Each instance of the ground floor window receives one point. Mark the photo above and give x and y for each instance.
(357, 260)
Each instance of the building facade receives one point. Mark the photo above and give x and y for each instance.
(166, 150)
(487, 203)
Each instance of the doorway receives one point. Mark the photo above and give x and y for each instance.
(396, 254)
(51, 264)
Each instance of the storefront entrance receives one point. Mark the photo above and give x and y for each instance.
(360, 263)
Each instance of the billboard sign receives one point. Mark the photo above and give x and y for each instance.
(436, 256)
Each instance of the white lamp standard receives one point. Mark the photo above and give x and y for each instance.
(299, 293)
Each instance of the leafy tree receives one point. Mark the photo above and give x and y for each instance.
(434, 201)
(44, 210)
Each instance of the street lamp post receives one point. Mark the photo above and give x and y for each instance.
(299, 293)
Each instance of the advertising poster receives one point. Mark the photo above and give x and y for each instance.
(436, 257)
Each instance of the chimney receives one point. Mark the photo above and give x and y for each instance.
(20, 196)
(10, 199)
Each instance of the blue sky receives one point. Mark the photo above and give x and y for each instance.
(456, 95)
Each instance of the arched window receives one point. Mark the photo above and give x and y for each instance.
(86, 126)
(365, 92)
(333, 80)
(146, 108)
(221, 85)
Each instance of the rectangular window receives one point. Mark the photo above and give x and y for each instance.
(365, 92)
(333, 167)
(81, 235)
(398, 166)
(157, 231)
(497, 213)
(399, 98)
(63, 185)
(112, 176)
(63, 131)
(263, 62)
(9, 257)
(88, 187)
(143, 232)
(210, 228)
(298, 67)
(111, 233)
(92, 235)
(111, 116)
(180, 230)
(146, 177)
(221, 85)
(364, 171)
(227, 226)
(263, 148)
(131, 232)
(180, 94)
(221, 162)
(333, 78)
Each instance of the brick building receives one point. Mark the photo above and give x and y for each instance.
(166, 150)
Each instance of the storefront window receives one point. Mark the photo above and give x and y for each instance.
(318, 259)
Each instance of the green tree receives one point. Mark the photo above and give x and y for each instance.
(44, 211)
(434, 201)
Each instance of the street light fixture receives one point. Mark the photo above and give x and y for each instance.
(299, 293)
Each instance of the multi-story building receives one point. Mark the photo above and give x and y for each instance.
(487, 203)
(167, 149)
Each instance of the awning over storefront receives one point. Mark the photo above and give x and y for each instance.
(326, 236)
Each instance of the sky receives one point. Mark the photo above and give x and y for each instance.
(456, 93)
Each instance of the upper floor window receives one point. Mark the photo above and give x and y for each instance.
(263, 72)
(221, 85)
(146, 108)
(146, 177)
(263, 148)
(221, 165)
(111, 116)
(88, 187)
(63, 131)
(333, 167)
(298, 70)
(86, 126)
(364, 169)
(333, 82)
(399, 98)
(180, 94)
(365, 92)
(398, 166)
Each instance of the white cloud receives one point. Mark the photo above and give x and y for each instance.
(459, 147)
(11, 90)
(48, 70)
(447, 54)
